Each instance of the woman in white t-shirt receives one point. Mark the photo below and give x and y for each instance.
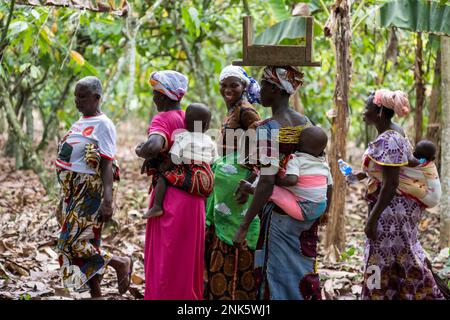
(87, 191)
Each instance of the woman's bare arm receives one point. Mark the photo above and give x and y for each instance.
(288, 180)
(106, 173)
(151, 148)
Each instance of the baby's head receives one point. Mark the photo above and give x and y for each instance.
(425, 150)
(313, 140)
(197, 117)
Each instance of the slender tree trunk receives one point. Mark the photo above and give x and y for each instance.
(434, 122)
(420, 88)
(445, 155)
(25, 145)
(340, 21)
(2, 122)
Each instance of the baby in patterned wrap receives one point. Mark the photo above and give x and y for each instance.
(418, 180)
(191, 155)
(423, 184)
(302, 190)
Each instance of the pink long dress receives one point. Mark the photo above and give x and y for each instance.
(174, 243)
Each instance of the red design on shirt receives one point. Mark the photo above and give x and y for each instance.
(88, 131)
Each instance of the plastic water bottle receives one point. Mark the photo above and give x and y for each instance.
(347, 171)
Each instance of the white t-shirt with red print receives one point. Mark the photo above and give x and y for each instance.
(97, 130)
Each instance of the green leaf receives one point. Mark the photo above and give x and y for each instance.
(187, 20)
(291, 28)
(89, 70)
(417, 16)
(23, 67)
(279, 10)
(25, 296)
(194, 16)
(27, 40)
(35, 14)
(35, 72)
(17, 27)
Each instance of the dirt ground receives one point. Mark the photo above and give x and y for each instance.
(28, 230)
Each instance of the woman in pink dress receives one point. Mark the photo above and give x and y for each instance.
(174, 243)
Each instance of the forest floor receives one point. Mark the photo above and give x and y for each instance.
(28, 232)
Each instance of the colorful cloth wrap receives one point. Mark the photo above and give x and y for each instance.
(80, 255)
(286, 78)
(394, 100)
(252, 89)
(420, 183)
(170, 83)
(195, 178)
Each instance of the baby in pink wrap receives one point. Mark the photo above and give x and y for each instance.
(304, 190)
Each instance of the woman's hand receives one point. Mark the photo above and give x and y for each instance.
(105, 211)
(241, 197)
(360, 175)
(138, 149)
(239, 238)
(145, 166)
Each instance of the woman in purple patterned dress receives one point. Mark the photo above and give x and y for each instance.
(395, 263)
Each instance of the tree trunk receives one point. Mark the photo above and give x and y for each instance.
(340, 21)
(2, 122)
(434, 123)
(445, 155)
(420, 88)
(24, 145)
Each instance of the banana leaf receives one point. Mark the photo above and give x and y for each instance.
(291, 28)
(417, 15)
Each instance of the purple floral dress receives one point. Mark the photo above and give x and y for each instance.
(395, 265)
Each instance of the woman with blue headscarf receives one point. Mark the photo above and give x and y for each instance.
(230, 270)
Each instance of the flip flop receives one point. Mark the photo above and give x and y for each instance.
(126, 277)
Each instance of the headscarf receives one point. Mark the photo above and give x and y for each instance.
(170, 83)
(395, 100)
(252, 86)
(287, 78)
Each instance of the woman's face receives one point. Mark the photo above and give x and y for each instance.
(370, 114)
(231, 89)
(160, 100)
(85, 101)
(266, 93)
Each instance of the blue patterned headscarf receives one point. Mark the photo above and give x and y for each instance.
(252, 86)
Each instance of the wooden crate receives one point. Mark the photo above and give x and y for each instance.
(276, 55)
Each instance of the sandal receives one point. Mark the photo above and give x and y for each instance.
(127, 277)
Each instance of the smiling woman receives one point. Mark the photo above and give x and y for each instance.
(227, 278)
(86, 201)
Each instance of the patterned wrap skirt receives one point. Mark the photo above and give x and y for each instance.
(229, 270)
(80, 256)
(285, 258)
(395, 266)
